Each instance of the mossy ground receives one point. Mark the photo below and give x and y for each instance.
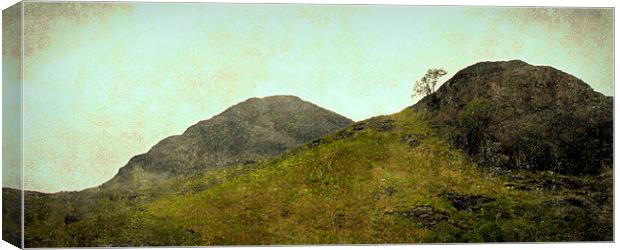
(389, 179)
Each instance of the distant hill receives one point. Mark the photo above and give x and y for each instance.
(513, 115)
(255, 129)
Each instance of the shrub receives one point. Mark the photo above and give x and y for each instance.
(472, 123)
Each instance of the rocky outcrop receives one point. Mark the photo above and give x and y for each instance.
(513, 115)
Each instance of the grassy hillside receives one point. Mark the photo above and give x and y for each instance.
(388, 179)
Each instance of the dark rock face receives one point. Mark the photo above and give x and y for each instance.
(255, 129)
(512, 115)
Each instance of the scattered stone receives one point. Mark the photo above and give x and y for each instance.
(359, 126)
(316, 142)
(517, 186)
(564, 202)
(424, 215)
(197, 188)
(72, 218)
(470, 203)
(571, 183)
(285, 212)
(247, 162)
(413, 140)
(543, 182)
(132, 197)
(382, 125)
(574, 202)
(378, 124)
(343, 134)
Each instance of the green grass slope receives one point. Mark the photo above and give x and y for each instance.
(389, 179)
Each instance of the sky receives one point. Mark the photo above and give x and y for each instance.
(106, 81)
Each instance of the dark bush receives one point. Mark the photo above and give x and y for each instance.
(473, 122)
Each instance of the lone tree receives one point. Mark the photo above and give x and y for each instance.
(426, 85)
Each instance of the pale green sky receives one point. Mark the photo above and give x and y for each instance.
(104, 82)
